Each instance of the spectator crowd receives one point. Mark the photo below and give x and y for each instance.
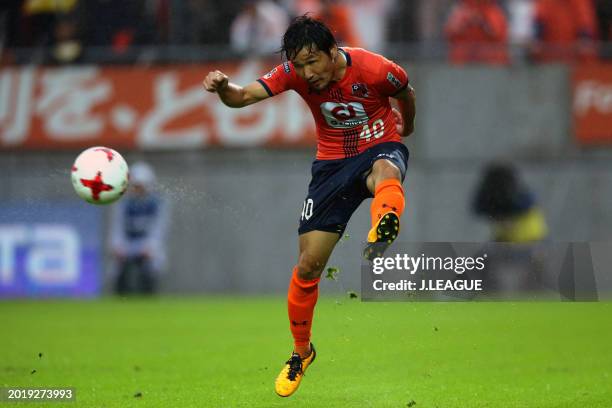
(468, 31)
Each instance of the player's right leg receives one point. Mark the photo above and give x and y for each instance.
(385, 184)
(315, 249)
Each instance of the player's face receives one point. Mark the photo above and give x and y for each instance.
(315, 66)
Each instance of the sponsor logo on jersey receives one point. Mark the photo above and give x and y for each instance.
(394, 81)
(359, 90)
(287, 67)
(344, 115)
(269, 74)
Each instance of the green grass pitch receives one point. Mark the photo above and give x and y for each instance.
(226, 352)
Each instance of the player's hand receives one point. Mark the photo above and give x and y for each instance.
(399, 121)
(215, 81)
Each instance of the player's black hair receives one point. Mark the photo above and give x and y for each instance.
(305, 31)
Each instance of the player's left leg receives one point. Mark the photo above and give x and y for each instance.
(315, 249)
(384, 182)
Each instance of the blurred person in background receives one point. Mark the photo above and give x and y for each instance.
(520, 16)
(509, 206)
(565, 31)
(48, 27)
(515, 218)
(122, 24)
(257, 28)
(10, 19)
(202, 22)
(40, 19)
(372, 21)
(337, 15)
(432, 15)
(477, 32)
(138, 228)
(67, 47)
(604, 21)
(422, 25)
(157, 13)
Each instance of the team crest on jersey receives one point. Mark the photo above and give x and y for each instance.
(269, 74)
(344, 115)
(359, 90)
(287, 67)
(394, 81)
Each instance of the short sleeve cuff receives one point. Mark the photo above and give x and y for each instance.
(265, 87)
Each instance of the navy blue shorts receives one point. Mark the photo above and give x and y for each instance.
(338, 187)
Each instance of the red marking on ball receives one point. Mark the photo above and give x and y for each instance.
(74, 168)
(109, 153)
(97, 186)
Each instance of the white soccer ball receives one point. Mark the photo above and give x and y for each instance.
(100, 175)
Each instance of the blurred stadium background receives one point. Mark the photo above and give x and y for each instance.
(522, 82)
(525, 82)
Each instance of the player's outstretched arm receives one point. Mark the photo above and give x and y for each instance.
(406, 101)
(233, 95)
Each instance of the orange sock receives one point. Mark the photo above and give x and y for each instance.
(389, 196)
(302, 298)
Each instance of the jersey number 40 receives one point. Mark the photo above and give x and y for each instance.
(377, 130)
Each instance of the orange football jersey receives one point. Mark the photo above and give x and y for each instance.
(353, 114)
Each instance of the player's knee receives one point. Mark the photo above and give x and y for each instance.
(384, 169)
(309, 267)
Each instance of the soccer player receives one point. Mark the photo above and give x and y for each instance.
(359, 155)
